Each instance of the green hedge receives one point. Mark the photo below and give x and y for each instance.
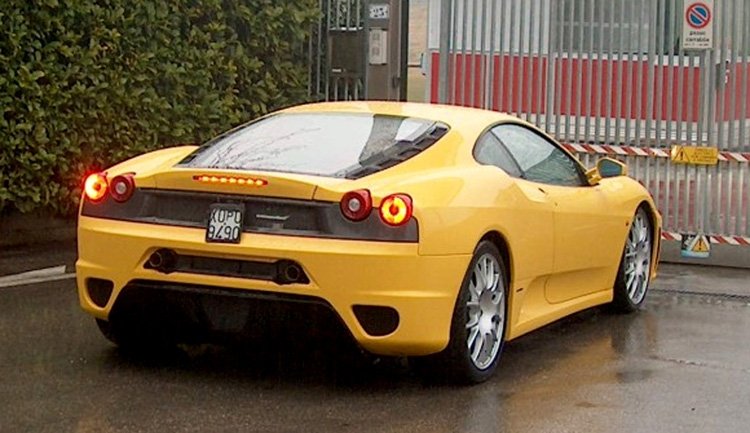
(86, 83)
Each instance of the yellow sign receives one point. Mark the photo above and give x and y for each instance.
(696, 246)
(701, 246)
(695, 155)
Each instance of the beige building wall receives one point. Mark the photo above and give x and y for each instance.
(417, 46)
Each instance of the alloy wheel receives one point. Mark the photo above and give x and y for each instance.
(486, 311)
(638, 259)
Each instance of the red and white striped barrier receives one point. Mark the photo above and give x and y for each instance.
(715, 239)
(656, 152)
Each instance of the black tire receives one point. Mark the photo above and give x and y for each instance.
(625, 299)
(455, 363)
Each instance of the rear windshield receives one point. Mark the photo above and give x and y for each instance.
(322, 144)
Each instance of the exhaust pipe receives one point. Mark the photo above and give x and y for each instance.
(288, 272)
(163, 260)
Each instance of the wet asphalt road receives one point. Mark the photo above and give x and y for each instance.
(681, 365)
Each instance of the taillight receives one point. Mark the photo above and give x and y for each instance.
(396, 209)
(356, 205)
(95, 186)
(121, 187)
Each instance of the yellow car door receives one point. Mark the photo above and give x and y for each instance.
(582, 244)
(587, 247)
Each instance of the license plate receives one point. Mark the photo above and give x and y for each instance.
(225, 223)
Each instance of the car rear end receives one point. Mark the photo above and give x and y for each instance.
(284, 212)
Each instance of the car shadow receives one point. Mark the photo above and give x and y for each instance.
(283, 360)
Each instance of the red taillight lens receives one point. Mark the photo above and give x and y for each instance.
(356, 205)
(396, 209)
(121, 187)
(95, 186)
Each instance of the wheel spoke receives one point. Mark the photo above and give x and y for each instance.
(490, 275)
(473, 320)
(474, 291)
(477, 347)
(488, 344)
(631, 278)
(497, 297)
(481, 280)
(472, 337)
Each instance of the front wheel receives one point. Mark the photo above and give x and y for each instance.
(634, 274)
(478, 323)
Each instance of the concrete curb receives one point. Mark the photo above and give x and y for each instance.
(19, 229)
(721, 255)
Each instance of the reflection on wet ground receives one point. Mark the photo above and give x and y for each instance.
(683, 364)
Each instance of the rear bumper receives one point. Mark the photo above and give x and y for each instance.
(342, 273)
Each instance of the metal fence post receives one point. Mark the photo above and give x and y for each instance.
(444, 50)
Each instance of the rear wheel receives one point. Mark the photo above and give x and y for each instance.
(479, 320)
(634, 274)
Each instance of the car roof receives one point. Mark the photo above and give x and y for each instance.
(453, 116)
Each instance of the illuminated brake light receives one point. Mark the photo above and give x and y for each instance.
(95, 186)
(231, 180)
(356, 205)
(396, 209)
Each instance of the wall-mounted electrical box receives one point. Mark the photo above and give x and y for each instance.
(378, 46)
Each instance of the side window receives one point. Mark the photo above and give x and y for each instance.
(490, 151)
(539, 159)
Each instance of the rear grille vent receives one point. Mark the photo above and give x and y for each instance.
(280, 272)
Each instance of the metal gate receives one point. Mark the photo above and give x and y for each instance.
(357, 50)
(611, 77)
(337, 52)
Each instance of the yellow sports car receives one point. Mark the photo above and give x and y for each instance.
(432, 231)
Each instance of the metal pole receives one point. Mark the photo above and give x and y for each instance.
(529, 71)
(540, 65)
(610, 74)
(579, 75)
(742, 137)
(672, 111)
(500, 89)
(444, 50)
(470, 78)
(590, 110)
(620, 73)
(514, 22)
(524, 57)
(461, 83)
(569, 55)
(491, 55)
(633, 59)
(600, 84)
(482, 85)
(559, 70)
(454, 54)
(553, 57)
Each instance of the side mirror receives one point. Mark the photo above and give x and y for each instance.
(606, 167)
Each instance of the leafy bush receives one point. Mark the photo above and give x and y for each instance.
(86, 83)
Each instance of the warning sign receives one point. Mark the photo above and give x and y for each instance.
(695, 155)
(698, 28)
(695, 246)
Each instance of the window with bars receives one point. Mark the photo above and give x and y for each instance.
(628, 26)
